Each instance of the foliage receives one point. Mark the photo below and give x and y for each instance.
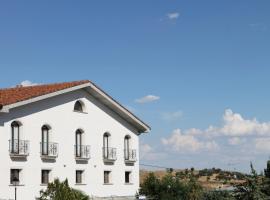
(61, 191)
(251, 189)
(217, 195)
(184, 185)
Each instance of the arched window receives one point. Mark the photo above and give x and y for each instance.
(106, 144)
(15, 137)
(79, 106)
(45, 140)
(127, 146)
(78, 143)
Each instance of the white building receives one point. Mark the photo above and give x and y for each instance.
(68, 130)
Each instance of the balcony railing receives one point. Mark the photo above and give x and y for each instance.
(82, 152)
(109, 154)
(18, 148)
(48, 150)
(130, 155)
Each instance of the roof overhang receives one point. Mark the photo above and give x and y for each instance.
(97, 93)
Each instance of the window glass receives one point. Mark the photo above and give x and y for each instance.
(45, 176)
(127, 177)
(79, 174)
(14, 175)
(107, 177)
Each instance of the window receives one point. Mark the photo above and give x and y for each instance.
(127, 147)
(78, 143)
(79, 176)
(127, 177)
(78, 106)
(107, 177)
(106, 152)
(15, 137)
(45, 140)
(45, 176)
(15, 176)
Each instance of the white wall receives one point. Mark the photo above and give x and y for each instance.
(58, 113)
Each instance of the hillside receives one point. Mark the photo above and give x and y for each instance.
(209, 178)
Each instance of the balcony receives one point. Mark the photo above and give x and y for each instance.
(82, 152)
(48, 150)
(130, 155)
(109, 154)
(18, 148)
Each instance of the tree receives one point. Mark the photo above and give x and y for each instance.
(251, 189)
(194, 190)
(58, 190)
(217, 195)
(151, 186)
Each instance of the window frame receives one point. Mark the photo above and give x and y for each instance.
(129, 173)
(107, 176)
(19, 175)
(48, 176)
(81, 173)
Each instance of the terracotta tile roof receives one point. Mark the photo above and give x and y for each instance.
(17, 94)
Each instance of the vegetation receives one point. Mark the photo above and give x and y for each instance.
(61, 191)
(184, 185)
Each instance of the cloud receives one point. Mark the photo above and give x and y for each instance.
(147, 99)
(170, 116)
(234, 125)
(149, 153)
(187, 143)
(236, 141)
(27, 83)
(173, 15)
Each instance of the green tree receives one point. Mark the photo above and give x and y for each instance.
(217, 195)
(194, 190)
(251, 189)
(58, 190)
(151, 186)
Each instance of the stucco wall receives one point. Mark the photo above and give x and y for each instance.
(58, 113)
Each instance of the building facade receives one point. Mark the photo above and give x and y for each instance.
(71, 131)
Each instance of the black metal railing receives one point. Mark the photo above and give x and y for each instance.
(82, 151)
(49, 149)
(19, 147)
(109, 153)
(130, 155)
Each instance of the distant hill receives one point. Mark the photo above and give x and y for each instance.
(209, 178)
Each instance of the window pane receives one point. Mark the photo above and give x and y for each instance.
(79, 176)
(106, 176)
(127, 177)
(14, 175)
(78, 106)
(45, 176)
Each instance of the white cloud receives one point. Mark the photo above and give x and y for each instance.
(236, 141)
(147, 99)
(27, 83)
(262, 144)
(148, 153)
(187, 143)
(173, 15)
(170, 116)
(234, 125)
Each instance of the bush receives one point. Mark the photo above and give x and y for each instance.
(61, 191)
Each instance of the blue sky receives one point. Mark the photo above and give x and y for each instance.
(205, 63)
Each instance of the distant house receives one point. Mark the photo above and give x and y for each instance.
(70, 130)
